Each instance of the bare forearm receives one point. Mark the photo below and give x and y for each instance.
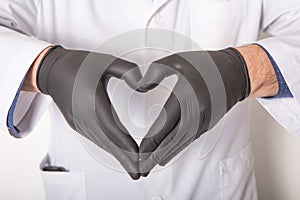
(30, 80)
(263, 80)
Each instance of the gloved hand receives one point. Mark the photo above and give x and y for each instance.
(63, 72)
(192, 107)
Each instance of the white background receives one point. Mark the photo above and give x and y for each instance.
(277, 157)
(277, 161)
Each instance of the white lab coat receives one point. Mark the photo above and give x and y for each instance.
(226, 172)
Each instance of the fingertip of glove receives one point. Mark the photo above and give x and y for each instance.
(135, 176)
(147, 86)
(132, 78)
(145, 174)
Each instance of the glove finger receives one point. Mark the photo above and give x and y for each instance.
(121, 143)
(175, 152)
(131, 166)
(104, 112)
(126, 161)
(183, 134)
(124, 70)
(188, 137)
(160, 69)
(93, 131)
(154, 158)
(185, 141)
(155, 74)
(166, 121)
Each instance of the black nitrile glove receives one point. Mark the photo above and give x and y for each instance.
(77, 80)
(194, 107)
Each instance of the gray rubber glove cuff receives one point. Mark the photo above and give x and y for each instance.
(48, 61)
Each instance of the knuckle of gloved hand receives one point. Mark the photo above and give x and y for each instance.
(177, 63)
(155, 157)
(148, 145)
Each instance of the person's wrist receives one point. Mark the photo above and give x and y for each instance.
(30, 82)
(262, 77)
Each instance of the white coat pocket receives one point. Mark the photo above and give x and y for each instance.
(63, 185)
(237, 178)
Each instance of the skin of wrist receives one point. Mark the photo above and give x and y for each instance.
(30, 79)
(263, 80)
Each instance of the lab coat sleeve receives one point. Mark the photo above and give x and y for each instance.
(18, 50)
(282, 21)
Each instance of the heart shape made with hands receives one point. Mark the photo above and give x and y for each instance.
(69, 75)
(106, 129)
(130, 108)
(170, 133)
(188, 112)
(136, 110)
(180, 122)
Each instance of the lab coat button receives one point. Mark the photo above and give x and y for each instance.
(157, 17)
(156, 198)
